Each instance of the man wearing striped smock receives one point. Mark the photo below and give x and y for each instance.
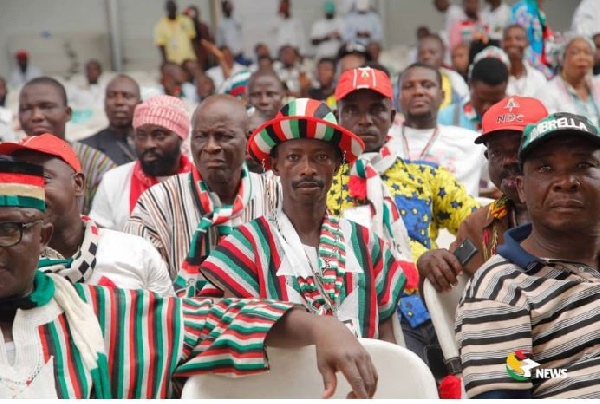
(63, 340)
(302, 253)
(217, 195)
(527, 325)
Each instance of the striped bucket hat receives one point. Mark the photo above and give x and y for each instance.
(303, 118)
(21, 185)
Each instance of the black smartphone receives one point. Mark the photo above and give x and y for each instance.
(465, 252)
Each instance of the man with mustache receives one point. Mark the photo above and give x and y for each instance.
(393, 196)
(421, 138)
(161, 125)
(65, 340)
(503, 126)
(302, 253)
(535, 305)
(218, 194)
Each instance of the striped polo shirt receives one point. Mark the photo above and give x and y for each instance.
(519, 302)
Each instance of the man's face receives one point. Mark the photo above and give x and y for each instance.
(42, 110)
(503, 156)
(158, 149)
(190, 69)
(205, 87)
(120, 100)
(561, 185)
(22, 62)
(441, 5)
(421, 94)
(171, 9)
(514, 43)
(92, 72)
(431, 52)
(18, 264)
(471, 7)
(306, 168)
(460, 58)
(483, 96)
(287, 56)
(325, 74)
(63, 187)
(219, 140)
(265, 95)
(172, 80)
(367, 114)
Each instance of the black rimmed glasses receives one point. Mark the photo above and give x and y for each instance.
(11, 233)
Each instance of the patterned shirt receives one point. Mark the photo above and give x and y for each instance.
(168, 213)
(427, 196)
(519, 302)
(149, 342)
(256, 261)
(94, 165)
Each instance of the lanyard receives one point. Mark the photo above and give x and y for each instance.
(427, 147)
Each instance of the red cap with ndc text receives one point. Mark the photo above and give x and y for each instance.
(363, 78)
(512, 113)
(46, 144)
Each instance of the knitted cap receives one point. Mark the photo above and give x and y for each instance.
(166, 111)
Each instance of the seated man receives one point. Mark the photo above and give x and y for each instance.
(332, 266)
(527, 326)
(393, 196)
(116, 141)
(217, 195)
(79, 250)
(161, 125)
(63, 340)
(503, 127)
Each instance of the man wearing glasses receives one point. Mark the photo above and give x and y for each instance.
(78, 250)
(161, 124)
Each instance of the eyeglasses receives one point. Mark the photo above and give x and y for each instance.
(11, 233)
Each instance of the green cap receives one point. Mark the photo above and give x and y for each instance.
(561, 123)
(329, 7)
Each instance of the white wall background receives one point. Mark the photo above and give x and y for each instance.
(61, 34)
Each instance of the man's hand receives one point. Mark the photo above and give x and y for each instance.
(441, 268)
(339, 350)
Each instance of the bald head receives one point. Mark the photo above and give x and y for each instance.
(218, 144)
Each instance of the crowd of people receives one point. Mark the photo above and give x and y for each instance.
(247, 202)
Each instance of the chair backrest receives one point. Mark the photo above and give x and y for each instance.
(293, 374)
(398, 333)
(442, 308)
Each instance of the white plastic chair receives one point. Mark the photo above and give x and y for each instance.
(442, 308)
(293, 374)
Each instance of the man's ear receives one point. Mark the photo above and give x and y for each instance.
(45, 235)
(393, 115)
(79, 184)
(69, 113)
(485, 153)
(336, 113)
(274, 166)
(521, 189)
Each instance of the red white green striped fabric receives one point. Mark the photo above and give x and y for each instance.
(252, 263)
(22, 186)
(150, 341)
(303, 118)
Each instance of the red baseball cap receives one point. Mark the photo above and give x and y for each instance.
(512, 113)
(46, 144)
(363, 78)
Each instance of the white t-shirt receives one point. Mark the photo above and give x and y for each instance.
(289, 31)
(527, 85)
(110, 208)
(363, 22)
(216, 73)
(454, 149)
(10, 352)
(322, 28)
(130, 262)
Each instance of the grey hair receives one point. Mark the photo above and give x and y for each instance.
(568, 39)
